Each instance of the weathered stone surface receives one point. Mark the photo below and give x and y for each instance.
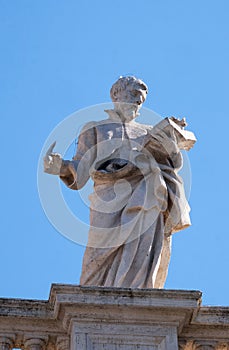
(138, 200)
(79, 318)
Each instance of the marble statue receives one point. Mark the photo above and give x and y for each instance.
(138, 200)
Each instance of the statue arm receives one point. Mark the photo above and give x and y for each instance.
(75, 173)
(173, 138)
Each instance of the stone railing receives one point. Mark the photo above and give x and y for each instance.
(94, 318)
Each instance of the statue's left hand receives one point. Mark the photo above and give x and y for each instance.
(52, 161)
(181, 122)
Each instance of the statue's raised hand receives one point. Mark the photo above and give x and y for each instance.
(181, 122)
(52, 161)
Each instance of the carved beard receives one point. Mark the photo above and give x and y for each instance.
(127, 111)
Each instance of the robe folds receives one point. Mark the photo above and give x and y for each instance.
(137, 203)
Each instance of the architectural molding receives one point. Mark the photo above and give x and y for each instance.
(79, 317)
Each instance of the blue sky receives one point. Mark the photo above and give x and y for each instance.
(61, 56)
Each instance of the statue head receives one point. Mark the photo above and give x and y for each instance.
(128, 95)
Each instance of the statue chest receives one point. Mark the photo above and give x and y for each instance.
(120, 133)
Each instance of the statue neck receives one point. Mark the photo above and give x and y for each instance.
(118, 116)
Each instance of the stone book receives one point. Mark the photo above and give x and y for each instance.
(185, 139)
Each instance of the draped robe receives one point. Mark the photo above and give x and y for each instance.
(137, 203)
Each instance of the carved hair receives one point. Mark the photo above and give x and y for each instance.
(122, 83)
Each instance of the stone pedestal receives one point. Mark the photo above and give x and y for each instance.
(94, 318)
(114, 318)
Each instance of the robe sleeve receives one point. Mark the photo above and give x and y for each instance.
(75, 173)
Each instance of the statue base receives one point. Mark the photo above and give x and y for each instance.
(95, 318)
(116, 318)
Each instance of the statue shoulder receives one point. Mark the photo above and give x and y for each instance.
(88, 126)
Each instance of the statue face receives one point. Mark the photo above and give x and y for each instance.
(130, 100)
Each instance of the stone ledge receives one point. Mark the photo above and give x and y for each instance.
(101, 316)
(212, 315)
(25, 308)
(161, 293)
(144, 298)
